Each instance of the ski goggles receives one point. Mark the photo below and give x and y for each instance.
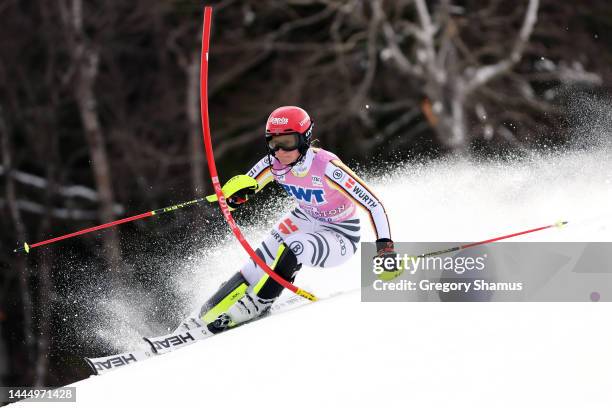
(286, 142)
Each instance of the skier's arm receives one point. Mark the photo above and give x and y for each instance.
(240, 188)
(261, 172)
(346, 181)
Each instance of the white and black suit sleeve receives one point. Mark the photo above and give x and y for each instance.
(345, 180)
(261, 172)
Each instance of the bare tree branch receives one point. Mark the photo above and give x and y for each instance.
(486, 73)
(394, 52)
(371, 64)
(428, 32)
(86, 59)
(20, 263)
(74, 191)
(192, 102)
(59, 213)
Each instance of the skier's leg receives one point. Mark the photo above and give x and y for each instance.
(251, 292)
(236, 301)
(317, 245)
(295, 240)
(286, 265)
(326, 244)
(321, 249)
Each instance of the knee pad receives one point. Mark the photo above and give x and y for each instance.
(285, 265)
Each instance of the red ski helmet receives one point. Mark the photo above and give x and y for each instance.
(288, 120)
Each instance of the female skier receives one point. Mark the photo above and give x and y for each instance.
(321, 231)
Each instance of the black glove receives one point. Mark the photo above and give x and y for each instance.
(385, 250)
(384, 246)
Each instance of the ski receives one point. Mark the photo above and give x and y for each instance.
(170, 342)
(103, 365)
(181, 337)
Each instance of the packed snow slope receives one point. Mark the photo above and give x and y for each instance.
(342, 352)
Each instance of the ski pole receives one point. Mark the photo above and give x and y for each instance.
(403, 265)
(212, 168)
(27, 247)
(558, 224)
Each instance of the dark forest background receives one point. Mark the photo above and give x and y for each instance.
(99, 119)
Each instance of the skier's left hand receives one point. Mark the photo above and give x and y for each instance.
(385, 250)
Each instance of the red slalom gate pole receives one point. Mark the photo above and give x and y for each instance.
(212, 168)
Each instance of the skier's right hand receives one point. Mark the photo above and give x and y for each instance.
(240, 197)
(237, 191)
(385, 249)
